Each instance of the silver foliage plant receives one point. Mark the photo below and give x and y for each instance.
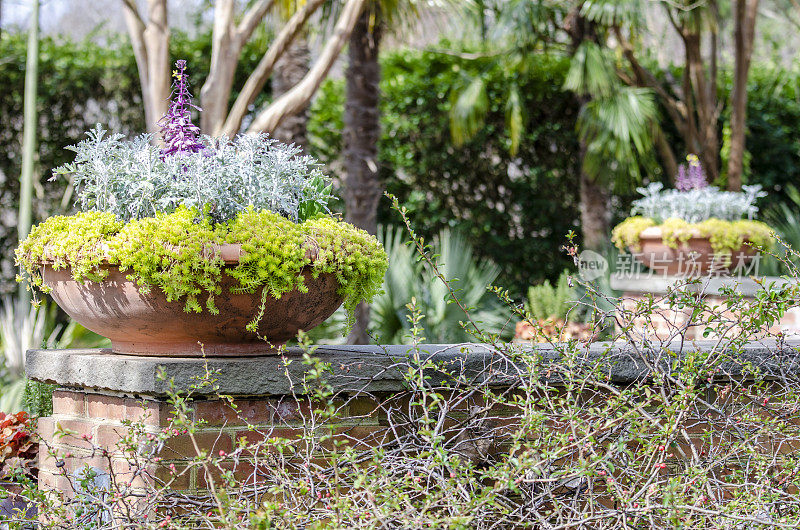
(696, 205)
(132, 180)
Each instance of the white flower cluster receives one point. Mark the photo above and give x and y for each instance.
(696, 205)
(132, 180)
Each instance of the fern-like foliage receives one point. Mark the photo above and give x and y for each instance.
(546, 301)
(132, 180)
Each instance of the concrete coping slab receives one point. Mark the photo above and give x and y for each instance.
(371, 369)
(711, 285)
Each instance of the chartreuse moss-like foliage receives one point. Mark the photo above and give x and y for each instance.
(626, 234)
(173, 252)
(726, 237)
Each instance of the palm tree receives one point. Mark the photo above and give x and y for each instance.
(617, 126)
(361, 132)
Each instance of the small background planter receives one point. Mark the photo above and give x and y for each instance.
(693, 257)
(148, 324)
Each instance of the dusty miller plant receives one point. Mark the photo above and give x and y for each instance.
(131, 180)
(696, 205)
(217, 176)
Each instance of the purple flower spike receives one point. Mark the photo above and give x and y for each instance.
(180, 135)
(692, 179)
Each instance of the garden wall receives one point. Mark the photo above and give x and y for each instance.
(371, 404)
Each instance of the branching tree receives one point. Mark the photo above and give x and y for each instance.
(617, 127)
(150, 40)
(149, 34)
(692, 102)
(618, 123)
(290, 70)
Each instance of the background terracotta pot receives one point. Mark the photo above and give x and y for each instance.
(694, 257)
(147, 324)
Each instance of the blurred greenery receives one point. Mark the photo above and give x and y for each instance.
(515, 210)
(409, 278)
(24, 327)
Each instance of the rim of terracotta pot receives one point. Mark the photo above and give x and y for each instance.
(244, 344)
(655, 232)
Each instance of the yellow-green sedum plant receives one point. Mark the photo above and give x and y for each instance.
(158, 213)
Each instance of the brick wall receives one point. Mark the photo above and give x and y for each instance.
(98, 421)
(86, 429)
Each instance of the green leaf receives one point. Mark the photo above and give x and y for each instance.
(514, 119)
(592, 72)
(468, 108)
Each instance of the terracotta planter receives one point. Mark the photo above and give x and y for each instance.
(694, 257)
(147, 324)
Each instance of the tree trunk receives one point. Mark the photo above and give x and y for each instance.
(667, 156)
(702, 91)
(594, 202)
(290, 69)
(150, 41)
(745, 13)
(361, 133)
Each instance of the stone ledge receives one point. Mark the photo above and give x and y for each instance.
(369, 369)
(657, 284)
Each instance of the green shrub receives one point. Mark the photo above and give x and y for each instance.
(546, 301)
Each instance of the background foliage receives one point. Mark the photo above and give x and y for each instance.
(515, 210)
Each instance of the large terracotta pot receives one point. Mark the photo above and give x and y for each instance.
(147, 324)
(694, 257)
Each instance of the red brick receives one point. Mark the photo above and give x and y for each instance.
(105, 407)
(181, 446)
(69, 403)
(256, 439)
(243, 471)
(181, 479)
(147, 412)
(219, 412)
(45, 427)
(365, 407)
(50, 481)
(76, 430)
(358, 437)
(289, 410)
(108, 436)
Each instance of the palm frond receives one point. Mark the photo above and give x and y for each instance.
(592, 71)
(468, 107)
(514, 118)
(614, 12)
(619, 131)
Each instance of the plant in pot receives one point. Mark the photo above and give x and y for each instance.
(200, 245)
(696, 229)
